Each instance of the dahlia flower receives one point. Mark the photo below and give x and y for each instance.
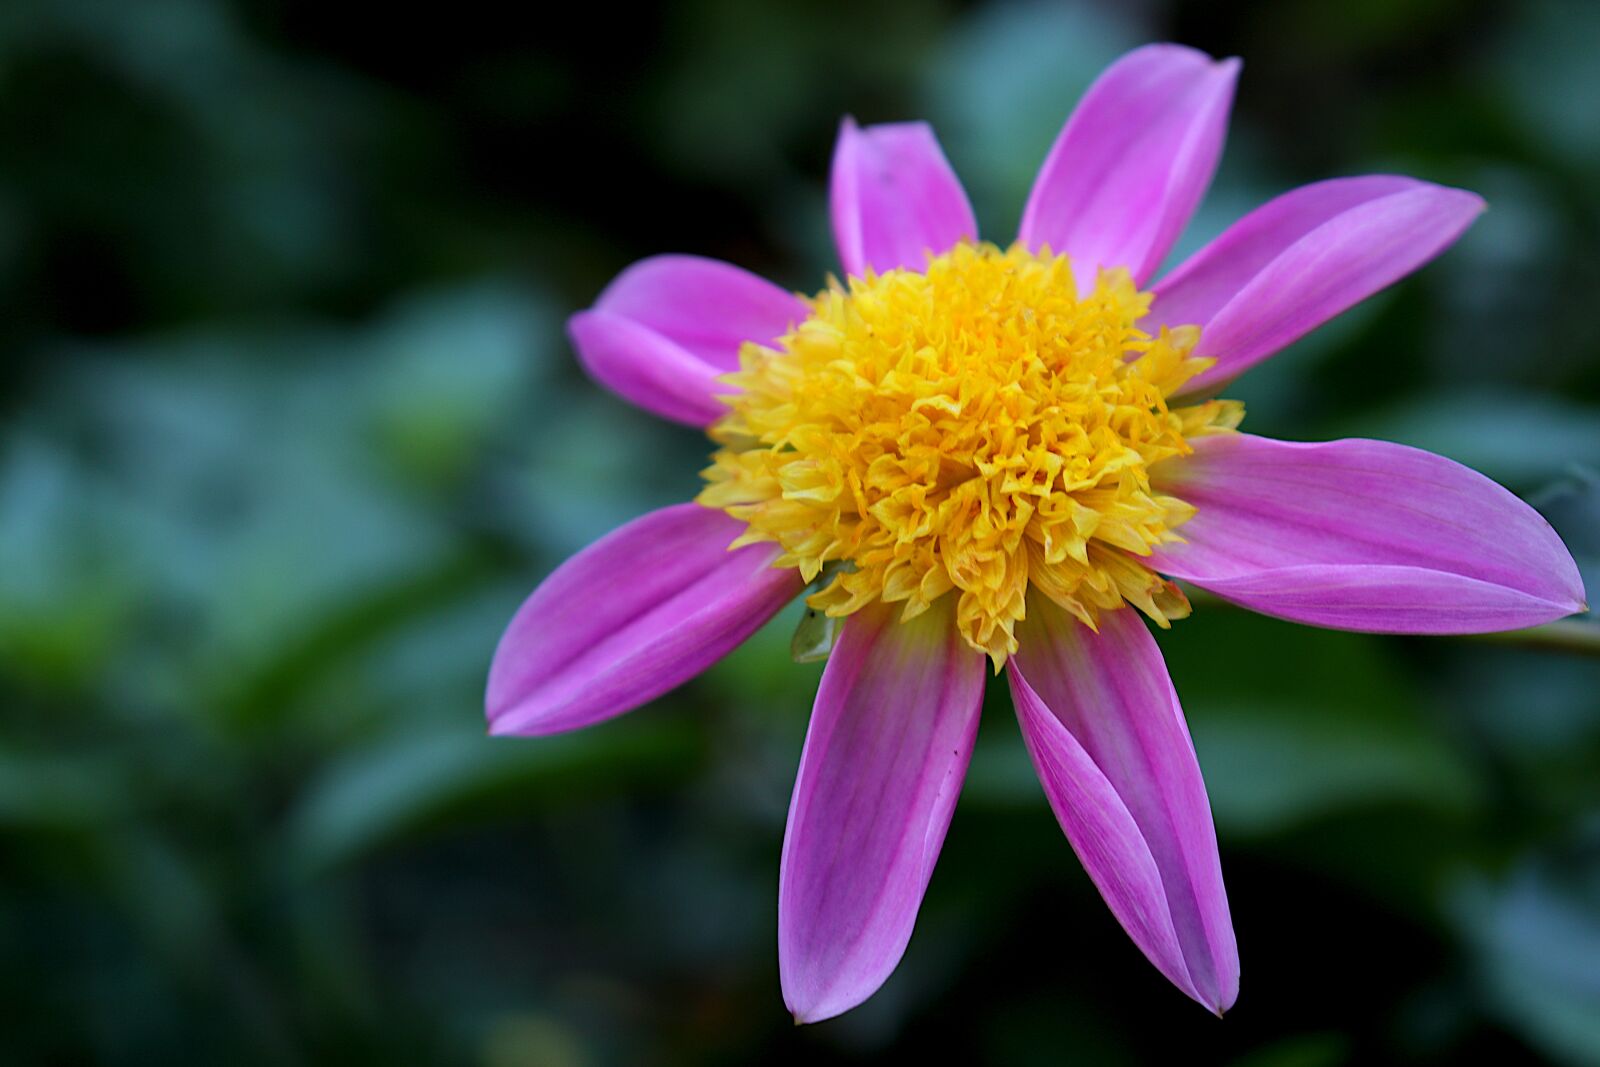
(976, 455)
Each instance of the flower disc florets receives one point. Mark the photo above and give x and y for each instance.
(979, 426)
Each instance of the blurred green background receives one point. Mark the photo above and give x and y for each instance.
(290, 427)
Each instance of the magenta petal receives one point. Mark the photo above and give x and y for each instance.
(1133, 161)
(640, 611)
(1299, 260)
(707, 307)
(1108, 739)
(1363, 535)
(885, 755)
(894, 198)
(667, 327)
(643, 367)
(1195, 291)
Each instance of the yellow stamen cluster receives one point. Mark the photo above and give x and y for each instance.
(979, 427)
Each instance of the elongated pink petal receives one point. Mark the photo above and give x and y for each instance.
(706, 307)
(646, 369)
(1299, 260)
(1363, 535)
(885, 755)
(668, 326)
(1133, 161)
(640, 611)
(1193, 292)
(1108, 739)
(894, 198)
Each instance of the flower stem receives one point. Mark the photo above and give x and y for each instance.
(1565, 635)
(1577, 636)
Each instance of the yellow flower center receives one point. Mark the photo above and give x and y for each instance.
(979, 427)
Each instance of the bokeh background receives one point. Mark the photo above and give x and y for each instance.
(290, 426)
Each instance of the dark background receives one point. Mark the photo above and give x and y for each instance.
(289, 427)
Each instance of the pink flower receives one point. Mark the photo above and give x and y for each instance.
(977, 453)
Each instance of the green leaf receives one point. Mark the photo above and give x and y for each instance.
(1002, 87)
(1536, 939)
(51, 790)
(1517, 438)
(1292, 724)
(400, 787)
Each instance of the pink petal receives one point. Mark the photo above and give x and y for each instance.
(645, 368)
(1133, 161)
(1363, 535)
(668, 326)
(640, 611)
(707, 307)
(1112, 750)
(1299, 260)
(894, 198)
(1195, 291)
(888, 746)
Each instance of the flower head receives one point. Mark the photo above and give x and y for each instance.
(976, 454)
(976, 426)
